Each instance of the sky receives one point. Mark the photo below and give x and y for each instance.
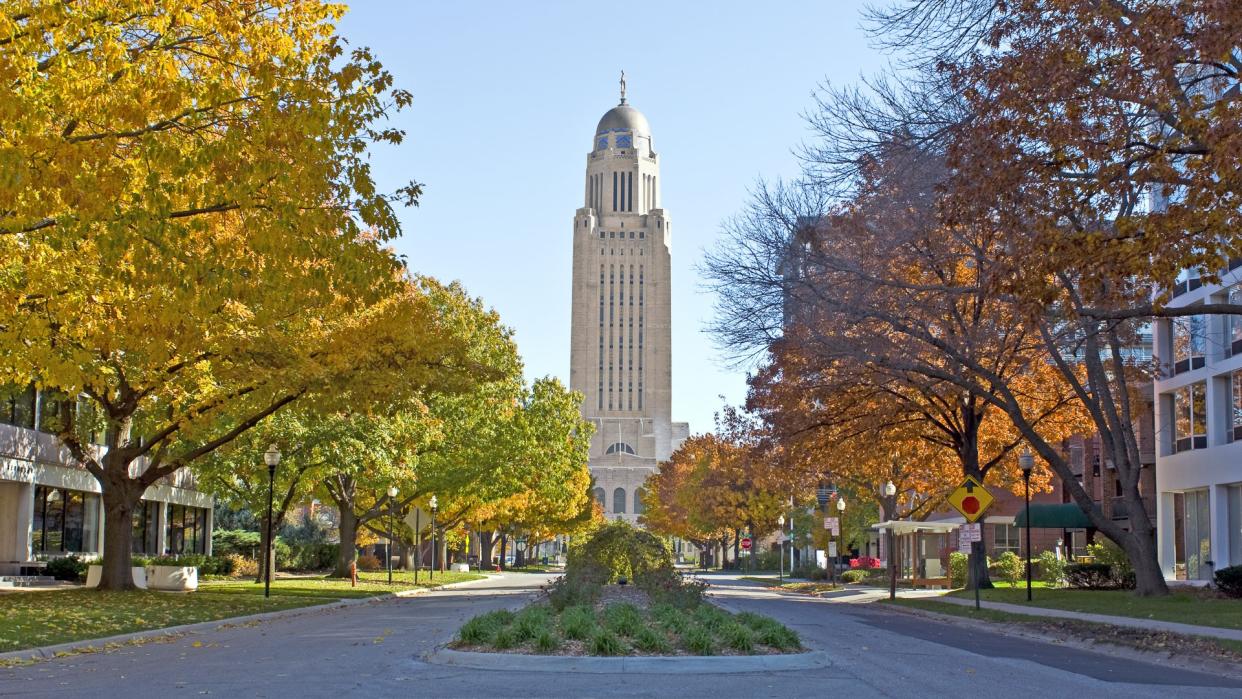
(506, 98)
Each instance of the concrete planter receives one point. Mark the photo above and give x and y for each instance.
(461, 567)
(95, 573)
(172, 578)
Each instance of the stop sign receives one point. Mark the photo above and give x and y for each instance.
(746, 543)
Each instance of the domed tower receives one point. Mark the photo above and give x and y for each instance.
(621, 354)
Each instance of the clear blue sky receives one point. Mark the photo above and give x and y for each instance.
(506, 98)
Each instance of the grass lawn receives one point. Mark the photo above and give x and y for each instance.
(369, 585)
(1184, 606)
(1194, 646)
(33, 619)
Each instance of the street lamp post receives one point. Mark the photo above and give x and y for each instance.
(272, 458)
(1027, 462)
(840, 534)
(418, 542)
(434, 546)
(780, 523)
(890, 492)
(392, 500)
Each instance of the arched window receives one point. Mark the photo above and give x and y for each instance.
(599, 496)
(638, 500)
(620, 448)
(618, 501)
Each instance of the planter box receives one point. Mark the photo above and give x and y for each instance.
(94, 573)
(461, 567)
(172, 578)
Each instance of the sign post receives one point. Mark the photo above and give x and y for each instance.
(971, 499)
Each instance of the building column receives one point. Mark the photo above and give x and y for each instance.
(99, 529)
(161, 531)
(1166, 550)
(23, 522)
(1218, 515)
(211, 527)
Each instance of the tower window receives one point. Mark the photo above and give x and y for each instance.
(642, 234)
(601, 234)
(614, 191)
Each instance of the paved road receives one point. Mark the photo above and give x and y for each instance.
(374, 649)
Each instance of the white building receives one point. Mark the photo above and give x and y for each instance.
(621, 352)
(50, 506)
(1199, 432)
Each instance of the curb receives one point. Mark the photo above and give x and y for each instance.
(98, 644)
(655, 665)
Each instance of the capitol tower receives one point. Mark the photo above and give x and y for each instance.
(621, 350)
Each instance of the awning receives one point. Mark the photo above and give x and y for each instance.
(908, 527)
(1065, 516)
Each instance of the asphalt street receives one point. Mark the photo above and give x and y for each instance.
(375, 650)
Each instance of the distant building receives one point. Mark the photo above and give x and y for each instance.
(621, 351)
(50, 505)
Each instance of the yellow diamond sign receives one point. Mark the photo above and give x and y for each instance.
(971, 499)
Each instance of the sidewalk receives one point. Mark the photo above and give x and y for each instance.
(1130, 622)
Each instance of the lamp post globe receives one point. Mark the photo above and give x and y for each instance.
(1026, 461)
(271, 457)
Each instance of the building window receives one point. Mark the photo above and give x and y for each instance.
(1237, 407)
(17, 405)
(618, 501)
(65, 521)
(144, 531)
(614, 191)
(1235, 323)
(1006, 538)
(1189, 343)
(186, 530)
(1192, 540)
(638, 500)
(1190, 417)
(620, 448)
(599, 496)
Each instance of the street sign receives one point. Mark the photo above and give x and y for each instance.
(746, 544)
(971, 499)
(832, 549)
(833, 524)
(971, 532)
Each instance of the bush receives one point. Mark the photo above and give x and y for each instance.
(959, 569)
(865, 562)
(623, 619)
(578, 623)
(738, 637)
(1091, 576)
(68, 568)
(699, 641)
(238, 541)
(769, 560)
(1051, 568)
(650, 640)
(779, 636)
(670, 617)
(504, 638)
(242, 566)
(668, 587)
(547, 642)
(531, 622)
(605, 642)
(1110, 554)
(854, 575)
(368, 562)
(565, 592)
(481, 629)
(1008, 567)
(618, 550)
(1229, 581)
(313, 556)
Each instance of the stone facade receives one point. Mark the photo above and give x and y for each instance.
(621, 345)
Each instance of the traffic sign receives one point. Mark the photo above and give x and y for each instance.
(971, 499)
(832, 524)
(746, 544)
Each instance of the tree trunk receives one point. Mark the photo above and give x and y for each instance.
(349, 537)
(978, 568)
(737, 549)
(119, 500)
(504, 545)
(487, 542)
(1148, 576)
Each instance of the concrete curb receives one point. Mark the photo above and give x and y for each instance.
(103, 643)
(654, 665)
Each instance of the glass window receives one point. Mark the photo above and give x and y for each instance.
(1006, 538)
(599, 496)
(1190, 417)
(1189, 343)
(65, 521)
(1237, 405)
(1235, 322)
(17, 405)
(618, 501)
